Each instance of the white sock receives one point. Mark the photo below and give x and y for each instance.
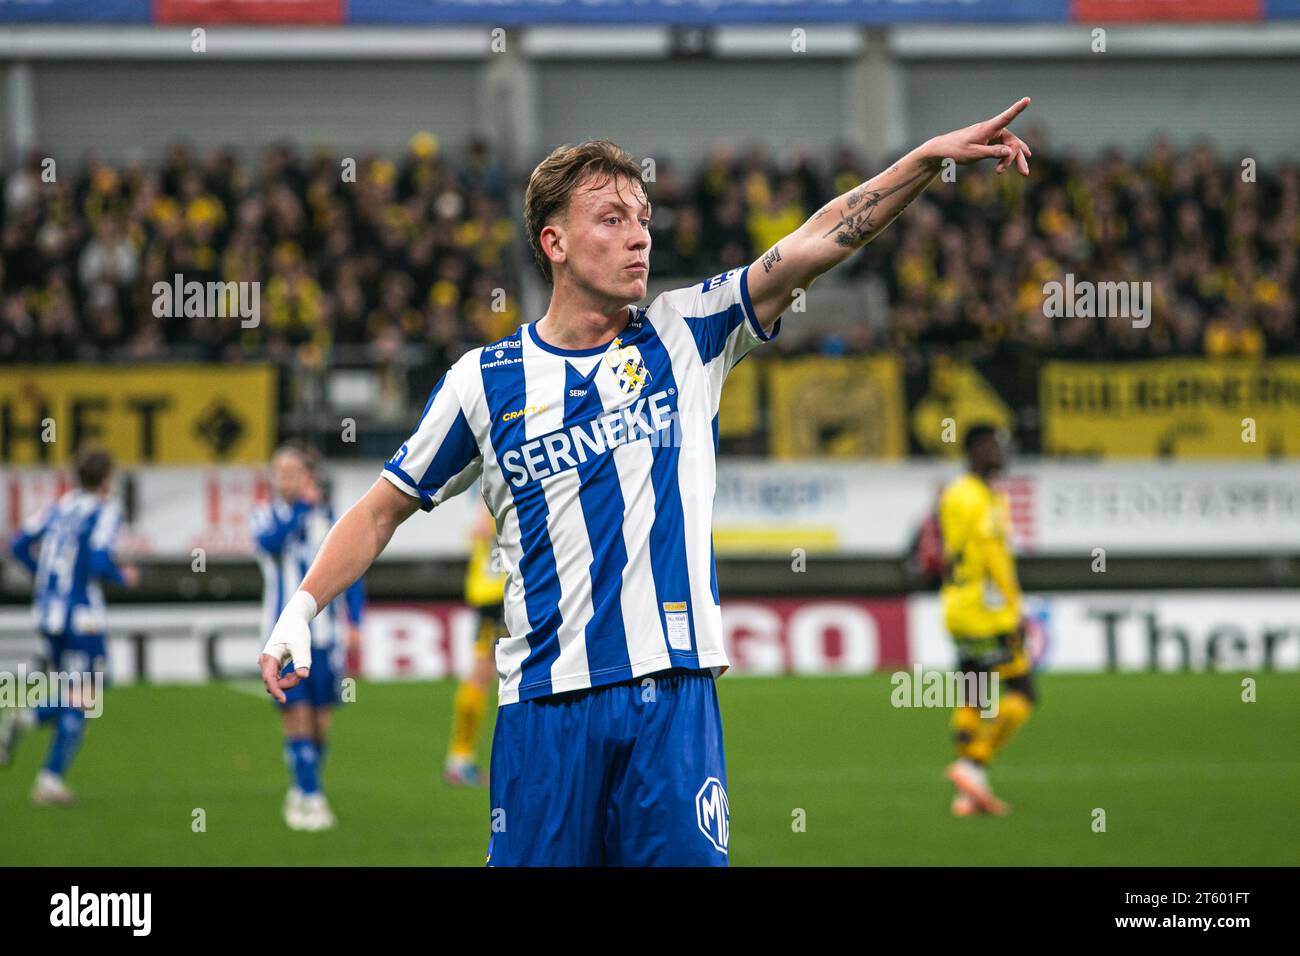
(976, 771)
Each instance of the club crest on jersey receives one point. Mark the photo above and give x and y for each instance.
(713, 813)
(629, 368)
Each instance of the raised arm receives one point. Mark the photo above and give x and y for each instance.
(21, 546)
(347, 551)
(849, 222)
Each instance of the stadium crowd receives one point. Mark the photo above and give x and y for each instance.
(425, 250)
(382, 254)
(965, 267)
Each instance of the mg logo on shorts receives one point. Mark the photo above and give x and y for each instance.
(713, 813)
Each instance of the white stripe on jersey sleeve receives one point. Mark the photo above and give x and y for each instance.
(721, 317)
(106, 524)
(441, 458)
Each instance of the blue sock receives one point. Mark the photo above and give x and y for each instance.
(45, 713)
(320, 758)
(303, 763)
(67, 740)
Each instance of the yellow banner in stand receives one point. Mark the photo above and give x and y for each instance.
(162, 414)
(836, 407)
(738, 412)
(1173, 408)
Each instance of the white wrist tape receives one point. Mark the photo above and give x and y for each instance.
(290, 639)
(302, 603)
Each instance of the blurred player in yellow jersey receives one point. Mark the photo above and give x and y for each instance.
(485, 585)
(981, 606)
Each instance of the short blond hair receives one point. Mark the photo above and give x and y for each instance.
(553, 182)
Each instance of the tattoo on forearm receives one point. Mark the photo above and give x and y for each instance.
(772, 258)
(856, 227)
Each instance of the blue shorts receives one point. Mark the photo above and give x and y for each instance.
(80, 653)
(324, 684)
(629, 774)
(70, 653)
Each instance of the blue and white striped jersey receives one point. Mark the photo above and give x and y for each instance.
(286, 538)
(75, 536)
(599, 466)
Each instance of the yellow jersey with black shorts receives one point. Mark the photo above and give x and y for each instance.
(980, 593)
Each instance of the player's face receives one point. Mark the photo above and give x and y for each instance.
(993, 452)
(289, 476)
(607, 239)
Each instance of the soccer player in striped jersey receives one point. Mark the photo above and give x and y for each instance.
(68, 548)
(594, 430)
(485, 589)
(287, 532)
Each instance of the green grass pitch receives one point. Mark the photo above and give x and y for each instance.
(1186, 772)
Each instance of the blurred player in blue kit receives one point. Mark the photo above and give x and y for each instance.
(68, 548)
(287, 533)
